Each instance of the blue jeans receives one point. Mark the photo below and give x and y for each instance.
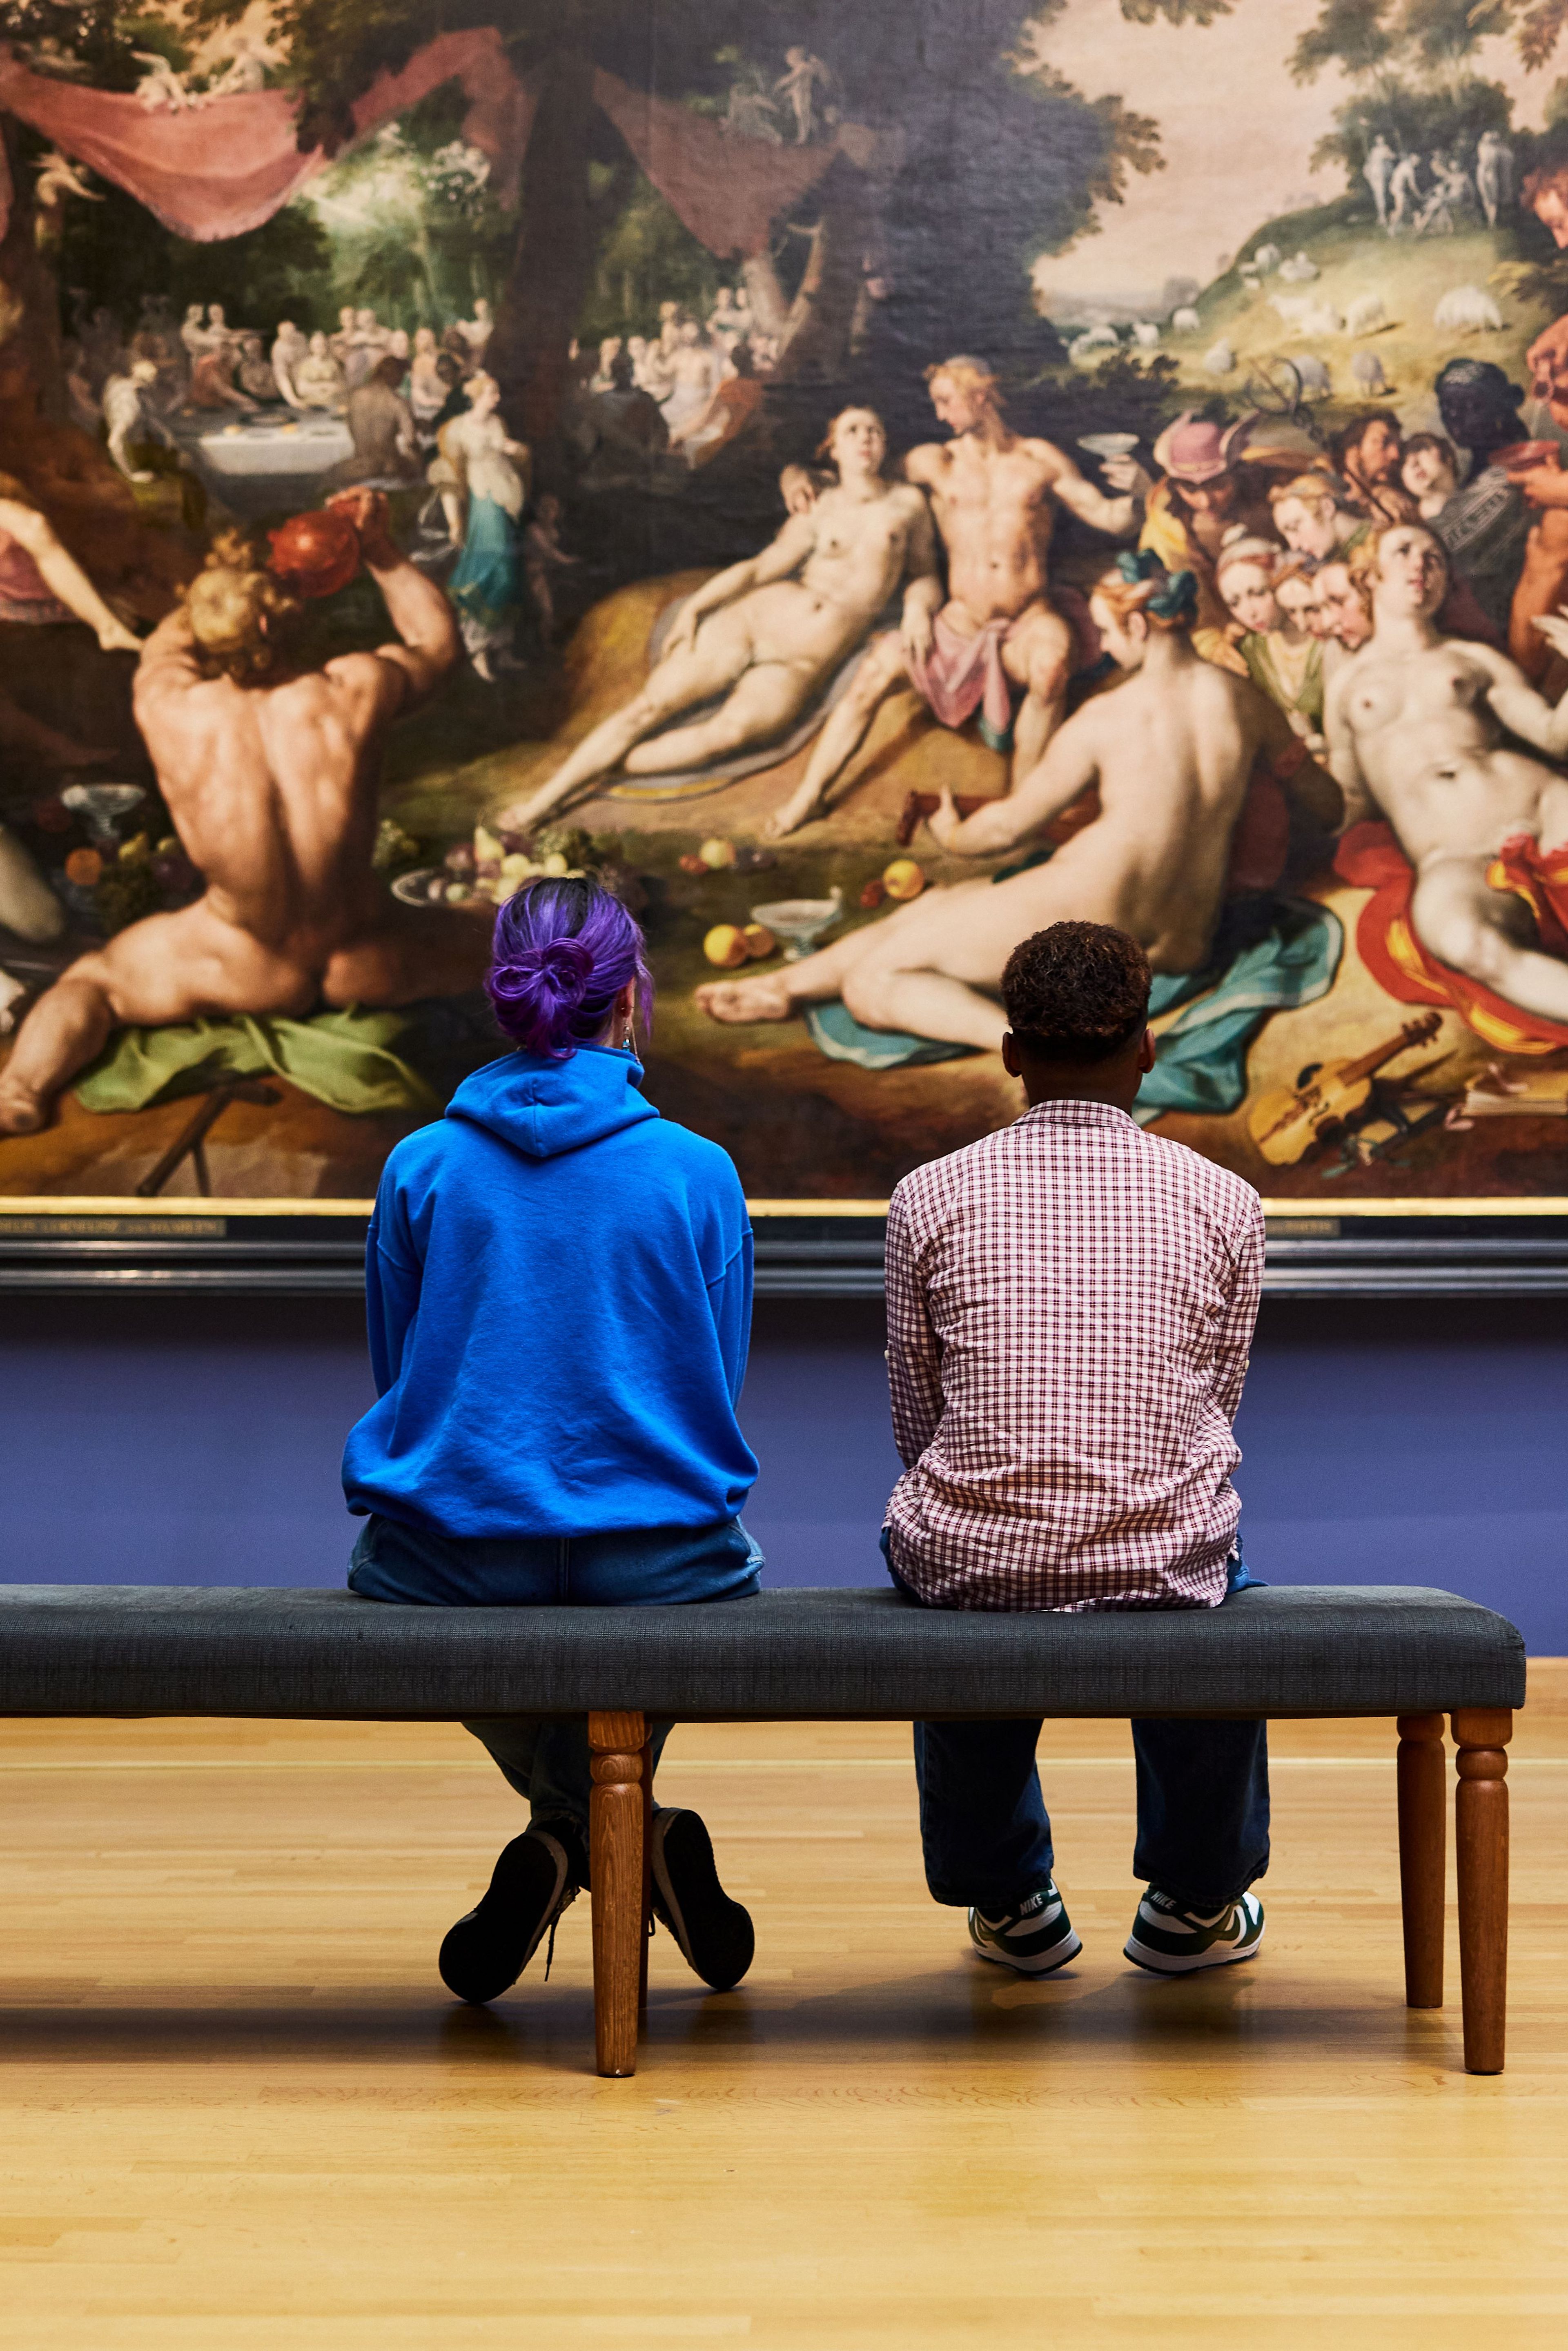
(547, 1759)
(1203, 1806)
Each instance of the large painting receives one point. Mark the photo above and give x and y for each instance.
(867, 481)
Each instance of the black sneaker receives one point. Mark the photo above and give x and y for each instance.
(1032, 1939)
(1171, 1941)
(715, 1935)
(536, 1879)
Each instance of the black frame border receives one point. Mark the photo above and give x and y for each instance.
(819, 1249)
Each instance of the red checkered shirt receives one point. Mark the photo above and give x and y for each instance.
(1070, 1306)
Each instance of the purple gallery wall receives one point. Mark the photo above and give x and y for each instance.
(195, 1441)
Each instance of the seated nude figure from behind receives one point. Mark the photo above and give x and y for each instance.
(1418, 721)
(1173, 750)
(768, 633)
(1070, 1306)
(271, 770)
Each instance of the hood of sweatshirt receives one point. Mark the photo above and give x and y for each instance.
(544, 1108)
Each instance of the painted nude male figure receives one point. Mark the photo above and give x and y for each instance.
(1173, 750)
(994, 495)
(768, 635)
(1418, 720)
(271, 772)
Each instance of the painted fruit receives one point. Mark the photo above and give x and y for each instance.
(902, 878)
(83, 867)
(717, 854)
(760, 940)
(874, 894)
(725, 946)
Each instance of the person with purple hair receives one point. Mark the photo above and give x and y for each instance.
(559, 1285)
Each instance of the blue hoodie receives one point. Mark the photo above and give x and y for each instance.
(559, 1284)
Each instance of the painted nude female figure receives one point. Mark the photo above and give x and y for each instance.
(768, 635)
(1418, 720)
(994, 495)
(1173, 750)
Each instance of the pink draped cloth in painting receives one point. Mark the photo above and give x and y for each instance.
(226, 167)
(728, 190)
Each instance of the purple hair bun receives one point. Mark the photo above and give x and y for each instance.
(563, 952)
(562, 967)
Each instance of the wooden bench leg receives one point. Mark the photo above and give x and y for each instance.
(647, 1879)
(1423, 1849)
(1481, 1736)
(615, 1855)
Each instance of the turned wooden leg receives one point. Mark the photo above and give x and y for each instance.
(615, 1842)
(1481, 1735)
(647, 1878)
(1423, 1843)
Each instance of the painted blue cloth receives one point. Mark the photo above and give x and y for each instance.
(558, 1289)
(836, 1032)
(487, 582)
(1202, 1060)
(1271, 954)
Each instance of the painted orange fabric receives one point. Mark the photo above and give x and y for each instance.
(1370, 857)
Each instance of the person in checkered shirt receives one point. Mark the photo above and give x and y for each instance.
(1070, 1306)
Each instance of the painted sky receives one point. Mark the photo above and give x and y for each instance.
(1237, 133)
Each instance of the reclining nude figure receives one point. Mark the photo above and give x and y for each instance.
(768, 633)
(1417, 719)
(271, 771)
(995, 493)
(1172, 749)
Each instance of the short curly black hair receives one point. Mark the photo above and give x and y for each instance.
(1077, 992)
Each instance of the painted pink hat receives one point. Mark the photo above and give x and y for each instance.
(1193, 450)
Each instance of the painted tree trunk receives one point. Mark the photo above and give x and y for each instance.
(554, 257)
(30, 361)
(815, 343)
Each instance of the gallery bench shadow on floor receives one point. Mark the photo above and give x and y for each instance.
(1302, 1651)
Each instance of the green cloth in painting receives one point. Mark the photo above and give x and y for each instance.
(344, 1059)
(1305, 694)
(1271, 954)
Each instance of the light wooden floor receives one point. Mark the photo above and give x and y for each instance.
(239, 2113)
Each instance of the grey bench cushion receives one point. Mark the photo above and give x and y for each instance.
(78, 1649)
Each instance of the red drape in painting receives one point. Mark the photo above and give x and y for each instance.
(728, 190)
(227, 166)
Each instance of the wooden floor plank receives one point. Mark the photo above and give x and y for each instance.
(237, 2109)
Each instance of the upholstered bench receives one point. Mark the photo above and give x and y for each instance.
(1308, 1651)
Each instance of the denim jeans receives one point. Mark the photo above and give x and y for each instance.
(546, 1759)
(1203, 1806)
